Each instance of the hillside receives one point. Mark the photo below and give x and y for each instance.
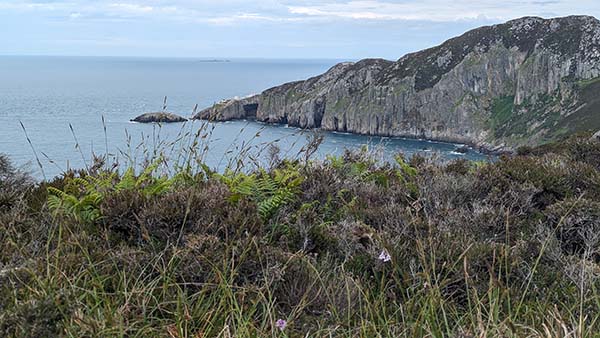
(345, 247)
(527, 81)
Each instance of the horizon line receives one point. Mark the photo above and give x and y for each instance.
(208, 58)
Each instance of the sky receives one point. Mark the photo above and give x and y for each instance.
(326, 29)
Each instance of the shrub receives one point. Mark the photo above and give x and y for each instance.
(14, 184)
(346, 246)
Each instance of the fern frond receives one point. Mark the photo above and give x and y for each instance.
(55, 192)
(54, 203)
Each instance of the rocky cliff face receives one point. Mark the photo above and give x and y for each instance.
(527, 81)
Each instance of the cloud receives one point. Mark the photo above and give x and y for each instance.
(131, 8)
(242, 17)
(233, 12)
(27, 6)
(441, 11)
(274, 28)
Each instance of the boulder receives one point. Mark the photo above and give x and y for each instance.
(462, 150)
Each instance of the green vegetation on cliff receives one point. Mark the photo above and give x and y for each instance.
(345, 247)
(502, 109)
(586, 83)
(587, 117)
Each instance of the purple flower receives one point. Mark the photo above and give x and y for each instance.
(281, 324)
(384, 256)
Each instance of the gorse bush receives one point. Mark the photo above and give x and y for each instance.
(343, 247)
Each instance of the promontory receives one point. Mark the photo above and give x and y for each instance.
(525, 82)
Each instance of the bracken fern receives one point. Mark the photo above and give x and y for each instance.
(270, 191)
(81, 196)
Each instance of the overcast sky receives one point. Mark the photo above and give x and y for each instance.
(260, 28)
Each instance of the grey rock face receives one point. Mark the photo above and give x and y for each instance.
(159, 117)
(496, 87)
(231, 109)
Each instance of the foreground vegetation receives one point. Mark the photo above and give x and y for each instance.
(347, 246)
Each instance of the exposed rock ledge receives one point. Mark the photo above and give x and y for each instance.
(525, 82)
(159, 117)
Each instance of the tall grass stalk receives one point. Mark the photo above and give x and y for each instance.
(350, 247)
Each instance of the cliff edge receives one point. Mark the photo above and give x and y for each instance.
(524, 82)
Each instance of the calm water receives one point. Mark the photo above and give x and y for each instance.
(48, 93)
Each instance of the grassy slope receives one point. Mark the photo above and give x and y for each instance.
(502, 109)
(512, 122)
(587, 118)
(498, 249)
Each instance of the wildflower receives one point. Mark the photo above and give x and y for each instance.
(384, 256)
(281, 324)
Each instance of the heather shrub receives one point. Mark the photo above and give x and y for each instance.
(13, 184)
(347, 246)
(577, 224)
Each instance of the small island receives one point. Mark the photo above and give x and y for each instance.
(159, 117)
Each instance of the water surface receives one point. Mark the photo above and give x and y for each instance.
(50, 94)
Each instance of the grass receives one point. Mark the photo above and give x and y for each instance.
(586, 118)
(501, 249)
(502, 110)
(586, 83)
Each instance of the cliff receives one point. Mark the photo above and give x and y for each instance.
(527, 81)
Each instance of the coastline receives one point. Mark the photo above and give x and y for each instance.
(482, 149)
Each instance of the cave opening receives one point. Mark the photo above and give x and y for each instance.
(250, 110)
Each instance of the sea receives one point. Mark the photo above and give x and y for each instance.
(57, 112)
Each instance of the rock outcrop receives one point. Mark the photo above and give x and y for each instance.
(527, 81)
(159, 117)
